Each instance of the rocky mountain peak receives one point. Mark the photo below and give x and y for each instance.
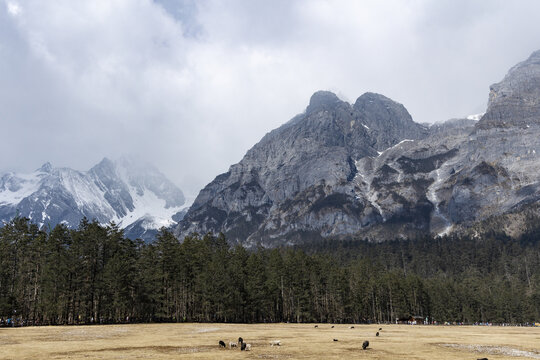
(385, 108)
(302, 178)
(388, 120)
(46, 168)
(105, 165)
(322, 100)
(515, 101)
(535, 56)
(371, 96)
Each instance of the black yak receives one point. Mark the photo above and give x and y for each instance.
(365, 344)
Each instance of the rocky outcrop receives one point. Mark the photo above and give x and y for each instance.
(452, 127)
(515, 101)
(387, 120)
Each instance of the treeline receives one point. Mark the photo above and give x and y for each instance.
(93, 274)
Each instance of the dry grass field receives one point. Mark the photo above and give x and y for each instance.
(299, 341)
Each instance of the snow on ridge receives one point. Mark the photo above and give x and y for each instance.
(86, 193)
(29, 184)
(401, 142)
(148, 205)
(155, 222)
(476, 117)
(391, 147)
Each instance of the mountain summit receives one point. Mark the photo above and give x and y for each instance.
(301, 179)
(515, 101)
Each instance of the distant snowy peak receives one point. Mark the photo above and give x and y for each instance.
(14, 188)
(124, 191)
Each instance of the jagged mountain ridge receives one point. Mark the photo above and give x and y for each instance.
(309, 161)
(133, 194)
(368, 170)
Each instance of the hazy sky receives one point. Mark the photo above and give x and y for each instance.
(192, 85)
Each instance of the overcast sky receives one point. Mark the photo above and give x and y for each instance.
(192, 85)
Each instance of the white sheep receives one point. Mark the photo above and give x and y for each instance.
(232, 344)
(248, 347)
(275, 343)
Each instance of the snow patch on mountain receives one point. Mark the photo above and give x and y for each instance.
(14, 188)
(85, 193)
(146, 205)
(125, 191)
(475, 117)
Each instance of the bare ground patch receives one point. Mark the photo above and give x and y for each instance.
(274, 356)
(152, 349)
(495, 350)
(8, 342)
(84, 334)
(206, 330)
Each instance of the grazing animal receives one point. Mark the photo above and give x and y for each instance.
(275, 343)
(377, 334)
(335, 339)
(482, 359)
(221, 344)
(380, 329)
(240, 340)
(352, 327)
(243, 346)
(248, 347)
(316, 326)
(332, 326)
(232, 344)
(365, 344)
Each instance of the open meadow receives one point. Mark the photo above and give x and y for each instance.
(298, 341)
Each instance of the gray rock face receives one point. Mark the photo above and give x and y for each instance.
(387, 120)
(126, 191)
(465, 176)
(515, 101)
(369, 171)
(301, 178)
(470, 172)
(452, 127)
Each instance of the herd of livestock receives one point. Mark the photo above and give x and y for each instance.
(247, 347)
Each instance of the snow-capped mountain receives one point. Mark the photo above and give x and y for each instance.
(134, 195)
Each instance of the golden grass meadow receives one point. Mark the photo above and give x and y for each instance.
(298, 341)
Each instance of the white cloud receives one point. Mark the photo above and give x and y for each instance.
(13, 8)
(191, 85)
